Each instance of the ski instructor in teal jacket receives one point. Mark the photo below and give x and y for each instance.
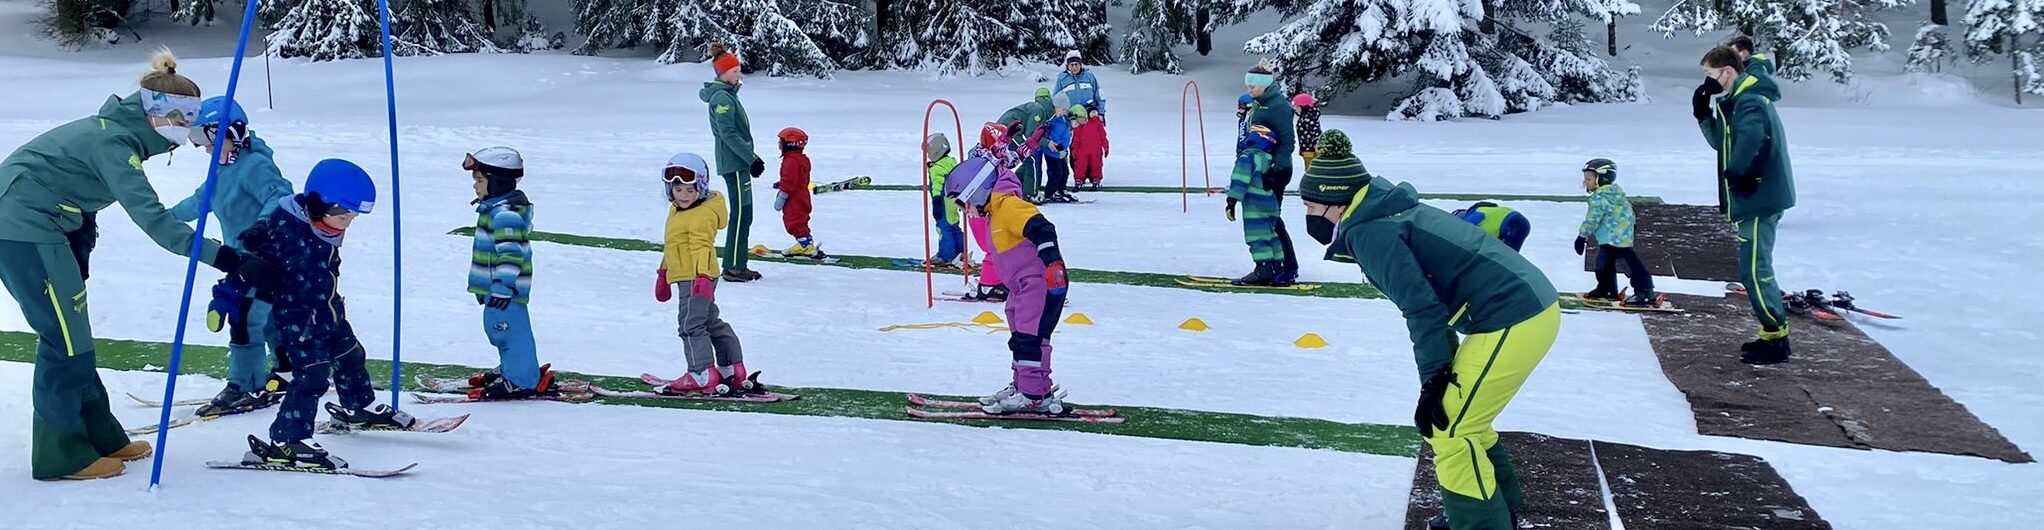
(1756, 183)
(50, 191)
(736, 160)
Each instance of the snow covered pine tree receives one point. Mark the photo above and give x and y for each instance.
(2002, 27)
(1803, 36)
(433, 27)
(766, 32)
(327, 30)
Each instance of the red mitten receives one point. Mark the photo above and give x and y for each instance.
(662, 290)
(704, 288)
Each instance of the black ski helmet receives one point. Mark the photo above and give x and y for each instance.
(1606, 170)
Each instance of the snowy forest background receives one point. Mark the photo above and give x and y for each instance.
(1448, 58)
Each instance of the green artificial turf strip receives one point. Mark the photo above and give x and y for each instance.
(1500, 197)
(1147, 422)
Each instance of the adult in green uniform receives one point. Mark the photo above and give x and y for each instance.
(1448, 278)
(736, 159)
(1756, 63)
(1756, 183)
(50, 191)
(1270, 107)
(1023, 121)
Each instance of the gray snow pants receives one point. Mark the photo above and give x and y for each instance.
(704, 336)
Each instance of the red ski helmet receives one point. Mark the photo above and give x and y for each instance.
(794, 136)
(992, 135)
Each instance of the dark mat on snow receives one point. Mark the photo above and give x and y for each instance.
(1839, 389)
(1557, 474)
(1656, 489)
(1682, 241)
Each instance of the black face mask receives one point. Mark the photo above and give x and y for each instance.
(1321, 228)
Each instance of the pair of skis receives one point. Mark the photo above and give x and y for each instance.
(570, 391)
(842, 185)
(195, 417)
(1813, 302)
(761, 251)
(427, 426)
(1224, 283)
(657, 390)
(920, 408)
(1661, 304)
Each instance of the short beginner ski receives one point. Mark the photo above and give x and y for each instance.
(180, 422)
(216, 464)
(1021, 416)
(920, 401)
(842, 185)
(179, 403)
(1217, 283)
(761, 251)
(437, 399)
(657, 382)
(432, 426)
(918, 264)
(445, 385)
(1615, 305)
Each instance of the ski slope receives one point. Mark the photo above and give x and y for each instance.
(1917, 205)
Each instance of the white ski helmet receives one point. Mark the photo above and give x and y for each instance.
(697, 173)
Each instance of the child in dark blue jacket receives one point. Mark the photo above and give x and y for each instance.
(1056, 143)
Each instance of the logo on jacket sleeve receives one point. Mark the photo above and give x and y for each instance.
(723, 109)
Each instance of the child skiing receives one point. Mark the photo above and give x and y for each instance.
(1308, 127)
(302, 236)
(1260, 207)
(1026, 252)
(950, 237)
(1089, 147)
(1055, 144)
(500, 276)
(689, 257)
(793, 198)
(1504, 223)
(1609, 221)
(248, 186)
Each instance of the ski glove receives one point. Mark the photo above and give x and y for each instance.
(1699, 102)
(248, 269)
(1231, 209)
(226, 305)
(1054, 278)
(1581, 244)
(1430, 414)
(780, 200)
(82, 241)
(663, 291)
(498, 302)
(704, 288)
(758, 167)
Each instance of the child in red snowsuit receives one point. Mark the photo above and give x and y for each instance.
(1089, 147)
(794, 200)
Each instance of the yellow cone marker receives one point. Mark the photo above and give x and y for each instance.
(1193, 324)
(760, 250)
(987, 317)
(1310, 341)
(1079, 319)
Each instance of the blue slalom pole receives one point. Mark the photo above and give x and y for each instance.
(184, 307)
(397, 226)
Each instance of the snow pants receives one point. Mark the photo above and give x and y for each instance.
(1756, 272)
(950, 237)
(795, 214)
(738, 236)
(1635, 270)
(983, 234)
(1479, 489)
(1032, 315)
(1030, 173)
(72, 426)
(250, 343)
(510, 330)
(1275, 180)
(1060, 174)
(704, 335)
(1261, 215)
(310, 369)
(1087, 167)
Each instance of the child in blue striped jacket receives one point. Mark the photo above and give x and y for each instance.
(500, 276)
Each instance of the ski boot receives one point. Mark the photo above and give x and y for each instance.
(741, 275)
(273, 389)
(1018, 402)
(955, 263)
(1647, 299)
(803, 248)
(232, 400)
(302, 453)
(743, 382)
(374, 418)
(1439, 522)
(1842, 300)
(1600, 294)
(1264, 273)
(1094, 187)
(1063, 197)
(1009, 390)
(991, 293)
(1285, 278)
(708, 381)
(484, 378)
(1766, 351)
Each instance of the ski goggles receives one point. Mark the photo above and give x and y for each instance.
(203, 136)
(180, 110)
(680, 175)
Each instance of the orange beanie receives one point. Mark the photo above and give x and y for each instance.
(723, 60)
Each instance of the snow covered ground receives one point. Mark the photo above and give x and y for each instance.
(1919, 205)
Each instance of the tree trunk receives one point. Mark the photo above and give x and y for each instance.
(490, 15)
(1203, 36)
(883, 18)
(2016, 68)
(1489, 26)
(1937, 13)
(1611, 37)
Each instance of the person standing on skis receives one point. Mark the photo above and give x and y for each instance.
(1025, 249)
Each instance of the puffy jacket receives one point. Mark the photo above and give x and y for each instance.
(501, 263)
(1752, 149)
(244, 191)
(1083, 89)
(1610, 218)
(731, 128)
(1090, 138)
(940, 170)
(1030, 115)
(304, 292)
(1274, 110)
(1309, 129)
(1446, 275)
(1057, 137)
(690, 249)
(50, 183)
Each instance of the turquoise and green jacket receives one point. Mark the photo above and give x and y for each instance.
(1752, 149)
(1610, 218)
(731, 128)
(501, 264)
(1446, 276)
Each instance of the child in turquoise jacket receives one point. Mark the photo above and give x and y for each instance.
(247, 187)
(1610, 221)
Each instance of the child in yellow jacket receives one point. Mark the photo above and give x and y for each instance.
(689, 257)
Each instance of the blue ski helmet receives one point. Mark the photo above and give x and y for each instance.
(1246, 100)
(219, 113)
(1260, 138)
(342, 183)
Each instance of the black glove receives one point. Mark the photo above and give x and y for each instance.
(758, 167)
(249, 269)
(1430, 415)
(1699, 102)
(1581, 243)
(498, 302)
(1744, 187)
(82, 240)
(1231, 209)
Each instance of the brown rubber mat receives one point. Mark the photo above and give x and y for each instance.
(1656, 489)
(1557, 475)
(1682, 241)
(1840, 388)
